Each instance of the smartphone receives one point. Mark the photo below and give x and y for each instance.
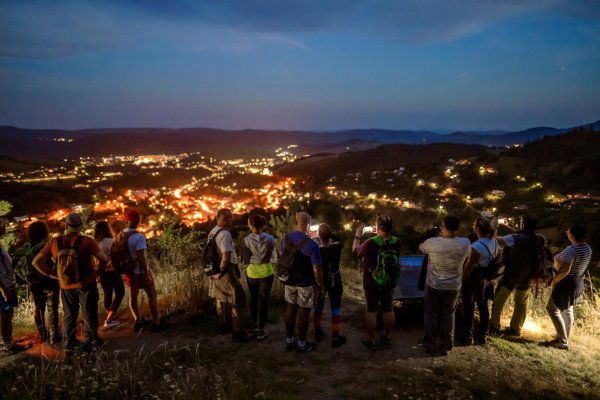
(368, 229)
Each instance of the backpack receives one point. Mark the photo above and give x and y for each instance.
(211, 259)
(67, 262)
(495, 268)
(544, 272)
(286, 258)
(387, 270)
(22, 263)
(120, 257)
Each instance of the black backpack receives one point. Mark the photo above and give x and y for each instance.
(286, 258)
(211, 259)
(544, 272)
(495, 268)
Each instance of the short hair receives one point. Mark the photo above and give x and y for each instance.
(451, 223)
(222, 212)
(102, 230)
(485, 227)
(257, 221)
(303, 218)
(384, 223)
(578, 231)
(325, 232)
(37, 232)
(132, 215)
(530, 222)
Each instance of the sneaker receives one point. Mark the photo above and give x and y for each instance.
(90, 345)
(109, 323)
(161, 326)
(17, 347)
(467, 341)
(338, 341)
(370, 344)
(139, 325)
(494, 332)
(481, 340)
(262, 334)
(308, 346)
(385, 340)
(241, 336)
(511, 332)
(319, 334)
(557, 344)
(291, 346)
(70, 346)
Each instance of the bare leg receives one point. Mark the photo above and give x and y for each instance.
(371, 321)
(303, 316)
(153, 303)
(133, 304)
(290, 319)
(388, 322)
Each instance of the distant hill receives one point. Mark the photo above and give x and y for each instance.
(386, 157)
(34, 144)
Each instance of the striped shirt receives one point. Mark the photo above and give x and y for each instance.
(578, 256)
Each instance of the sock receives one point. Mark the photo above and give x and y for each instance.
(290, 340)
(301, 343)
(336, 321)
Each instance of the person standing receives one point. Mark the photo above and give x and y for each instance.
(447, 254)
(110, 280)
(377, 296)
(45, 291)
(476, 287)
(225, 287)
(567, 287)
(304, 284)
(76, 275)
(524, 249)
(331, 253)
(140, 277)
(258, 254)
(8, 297)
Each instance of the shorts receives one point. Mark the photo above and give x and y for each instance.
(378, 297)
(228, 289)
(303, 296)
(12, 302)
(139, 281)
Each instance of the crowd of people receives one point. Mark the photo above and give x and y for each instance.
(67, 268)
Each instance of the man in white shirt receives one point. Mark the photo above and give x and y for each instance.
(225, 287)
(447, 255)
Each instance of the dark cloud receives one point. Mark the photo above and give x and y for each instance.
(50, 29)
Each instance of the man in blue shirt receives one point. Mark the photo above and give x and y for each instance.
(305, 281)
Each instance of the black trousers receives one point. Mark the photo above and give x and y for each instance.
(46, 296)
(87, 297)
(473, 292)
(112, 282)
(260, 289)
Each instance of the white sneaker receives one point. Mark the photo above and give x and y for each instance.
(109, 323)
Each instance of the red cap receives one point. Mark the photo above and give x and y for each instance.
(132, 216)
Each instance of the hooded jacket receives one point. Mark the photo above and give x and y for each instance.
(258, 249)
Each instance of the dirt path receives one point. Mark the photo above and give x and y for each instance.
(500, 369)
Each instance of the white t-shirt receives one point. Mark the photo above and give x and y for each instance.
(484, 255)
(224, 243)
(105, 245)
(136, 241)
(446, 259)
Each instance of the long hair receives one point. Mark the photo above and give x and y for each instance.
(102, 230)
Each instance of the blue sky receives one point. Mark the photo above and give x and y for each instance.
(320, 65)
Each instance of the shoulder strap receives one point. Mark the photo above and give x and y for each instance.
(378, 241)
(214, 237)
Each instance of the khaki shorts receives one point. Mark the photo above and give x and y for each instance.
(303, 296)
(228, 289)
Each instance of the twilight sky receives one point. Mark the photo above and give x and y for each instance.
(306, 64)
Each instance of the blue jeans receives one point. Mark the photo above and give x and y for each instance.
(71, 299)
(440, 306)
